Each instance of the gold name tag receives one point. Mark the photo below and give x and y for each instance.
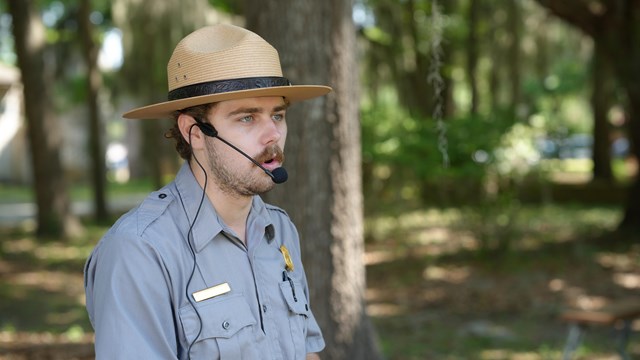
(211, 292)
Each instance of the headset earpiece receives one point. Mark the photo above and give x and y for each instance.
(207, 129)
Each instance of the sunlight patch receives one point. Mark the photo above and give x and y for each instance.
(556, 285)
(53, 281)
(378, 257)
(384, 310)
(587, 302)
(454, 275)
(19, 246)
(60, 252)
(628, 280)
(619, 262)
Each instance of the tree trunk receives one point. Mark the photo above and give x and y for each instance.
(472, 54)
(316, 41)
(151, 31)
(514, 20)
(600, 103)
(449, 7)
(631, 218)
(620, 25)
(54, 216)
(542, 51)
(625, 54)
(496, 60)
(94, 83)
(418, 91)
(152, 154)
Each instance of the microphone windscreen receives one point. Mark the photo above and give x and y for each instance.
(279, 175)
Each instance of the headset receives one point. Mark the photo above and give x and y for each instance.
(190, 240)
(278, 176)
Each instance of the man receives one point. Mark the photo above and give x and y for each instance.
(203, 268)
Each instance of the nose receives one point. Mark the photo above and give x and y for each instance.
(274, 131)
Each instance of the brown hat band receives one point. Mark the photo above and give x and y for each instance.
(223, 86)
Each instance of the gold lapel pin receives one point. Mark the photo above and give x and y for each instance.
(287, 258)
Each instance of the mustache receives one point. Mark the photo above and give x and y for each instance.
(272, 152)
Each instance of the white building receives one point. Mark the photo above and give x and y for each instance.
(14, 160)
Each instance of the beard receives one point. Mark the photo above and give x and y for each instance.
(233, 181)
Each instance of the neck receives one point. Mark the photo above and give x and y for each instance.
(233, 209)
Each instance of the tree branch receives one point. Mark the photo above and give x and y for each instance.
(576, 12)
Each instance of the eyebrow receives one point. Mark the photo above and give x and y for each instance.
(253, 110)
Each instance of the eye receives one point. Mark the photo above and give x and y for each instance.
(278, 117)
(246, 119)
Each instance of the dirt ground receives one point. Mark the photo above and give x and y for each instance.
(434, 299)
(461, 305)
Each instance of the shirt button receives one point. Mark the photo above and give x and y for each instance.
(162, 196)
(225, 325)
(264, 308)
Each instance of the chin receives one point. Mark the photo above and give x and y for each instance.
(265, 189)
(261, 186)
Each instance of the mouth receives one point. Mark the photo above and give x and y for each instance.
(271, 158)
(271, 164)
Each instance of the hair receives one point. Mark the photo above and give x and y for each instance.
(199, 113)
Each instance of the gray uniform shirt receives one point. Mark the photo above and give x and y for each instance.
(140, 276)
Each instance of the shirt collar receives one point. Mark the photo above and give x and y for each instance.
(208, 224)
(260, 218)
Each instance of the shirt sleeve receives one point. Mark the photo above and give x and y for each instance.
(129, 301)
(315, 341)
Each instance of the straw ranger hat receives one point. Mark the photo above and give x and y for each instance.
(223, 62)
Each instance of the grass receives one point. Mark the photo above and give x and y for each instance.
(433, 291)
(42, 311)
(10, 193)
(580, 170)
(43, 282)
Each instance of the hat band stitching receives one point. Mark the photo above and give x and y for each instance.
(224, 86)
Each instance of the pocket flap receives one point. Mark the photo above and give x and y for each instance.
(221, 317)
(298, 305)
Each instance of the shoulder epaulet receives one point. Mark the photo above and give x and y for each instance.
(277, 209)
(152, 207)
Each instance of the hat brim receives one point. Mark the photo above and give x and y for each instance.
(165, 109)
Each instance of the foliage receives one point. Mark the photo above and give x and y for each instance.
(400, 140)
(401, 152)
(496, 146)
(64, 59)
(560, 100)
(516, 154)
(228, 6)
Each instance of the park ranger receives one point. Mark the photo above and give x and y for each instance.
(203, 268)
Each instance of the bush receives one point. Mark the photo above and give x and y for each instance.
(403, 164)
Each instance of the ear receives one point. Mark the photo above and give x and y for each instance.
(190, 131)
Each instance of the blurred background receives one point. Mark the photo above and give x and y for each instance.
(498, 144)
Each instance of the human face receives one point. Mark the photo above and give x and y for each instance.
(256, 126)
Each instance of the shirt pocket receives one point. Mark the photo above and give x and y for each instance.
(298, 315)
(227, 328)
